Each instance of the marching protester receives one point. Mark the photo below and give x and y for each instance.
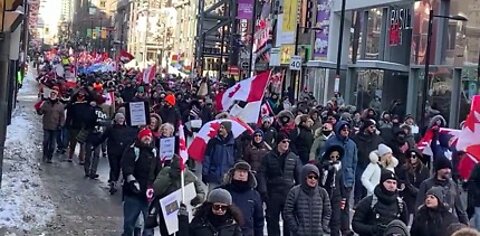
(382, 158)
(241, 183)
(52, 121)
(256, 150)
(321, 136)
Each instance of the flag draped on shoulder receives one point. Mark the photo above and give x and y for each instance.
(197, 148)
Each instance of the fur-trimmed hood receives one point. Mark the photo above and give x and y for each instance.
(252, 180)
(375, 158)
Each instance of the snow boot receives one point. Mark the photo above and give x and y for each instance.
(113, 187)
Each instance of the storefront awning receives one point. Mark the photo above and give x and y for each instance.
(382, 65)
(323, 64)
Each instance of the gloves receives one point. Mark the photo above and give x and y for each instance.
(134, 186)
(149, 194)
(196, 201)
(183, 210)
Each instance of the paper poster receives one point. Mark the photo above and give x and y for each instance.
(171, 203)
(137, 113)
(167, 148)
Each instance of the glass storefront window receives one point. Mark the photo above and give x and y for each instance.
(470, 30)
(439, 90)
(369, 85)
(356, 37)
(420, 29)
(374, 28)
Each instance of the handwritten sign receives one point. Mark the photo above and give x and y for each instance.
(138, 114)
(167, 148)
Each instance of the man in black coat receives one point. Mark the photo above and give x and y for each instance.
(375, 212)
(367, 140)
(241, 183)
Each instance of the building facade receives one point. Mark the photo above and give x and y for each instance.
(385, 50)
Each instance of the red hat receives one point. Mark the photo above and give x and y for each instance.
(144, 132)
(170, 99)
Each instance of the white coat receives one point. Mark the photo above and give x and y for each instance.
(371, 175)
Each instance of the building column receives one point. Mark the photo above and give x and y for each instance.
(347, 95)
(4, 94)
(412, 92)
(455, 99)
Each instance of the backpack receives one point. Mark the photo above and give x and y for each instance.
(374, 202)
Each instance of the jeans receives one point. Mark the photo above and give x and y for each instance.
(345, 213)
(132, 207)
(476, 218)
(49, 137)
(275, 205)
(62, 139)
(359, 191)
(92, 155)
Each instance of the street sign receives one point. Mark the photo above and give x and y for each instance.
(296, 63)
(274, 57)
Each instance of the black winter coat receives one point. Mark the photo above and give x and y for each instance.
(279, 173)
(80, 115)
(371, 220)
(412, 180)
(170, 115)
(144, 169)
(432, 222)
(473, 190)
(118, 138)
(201, 227)
(365, 144)
(303, 143)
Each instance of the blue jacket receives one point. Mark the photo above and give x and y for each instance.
(349, 158)
(219, 158)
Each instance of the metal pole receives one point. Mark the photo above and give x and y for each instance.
(427, 72)
(340, 39)
(293, 73)
(254, 21)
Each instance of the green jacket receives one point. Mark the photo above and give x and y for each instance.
(165, 183)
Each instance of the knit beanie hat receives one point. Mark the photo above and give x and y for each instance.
(140, 89)
(220, 196)
(396, 228)
(442, 163)
(282, 136)
(436, 192)
(258, 131)
(119, 116)
(227, 125)
(386, 175)
(144, 132)
(170, 99)
(367, 123)
(383, 149)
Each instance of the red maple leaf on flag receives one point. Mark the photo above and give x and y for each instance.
(213, 129)
(235, 90)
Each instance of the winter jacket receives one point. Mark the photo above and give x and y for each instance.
(350, 157)
(366, 143)
(250, 203)
(412, 178)
(473, 199)
(317, 146)
(144, 169)
(80, 115)
(451, 196)
(307, 210)
(100, 123)
(219, 158)
(303, 143)
(170, 115)
(201, 227)
(128, 93)
(254, 155)
(432, 222)
(269, 135)
(371, 176)
(168, 182)
(118, 138)
(53, 115)
(279, 173)
(331, 180)
(373, 213)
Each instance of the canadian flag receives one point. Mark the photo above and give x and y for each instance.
(248, 90)
(125, 57)
(183, 153)
(197, 148)
(109, 98)
(424, 144)
(147, 75)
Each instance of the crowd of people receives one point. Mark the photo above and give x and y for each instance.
(312, 166)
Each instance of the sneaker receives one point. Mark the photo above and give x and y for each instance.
(113, 187)
(87, 175)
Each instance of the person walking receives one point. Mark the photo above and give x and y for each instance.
(241, 183)
(256, 150)
(279, 172)
(307, 208)
(52, 121)
(381, 158)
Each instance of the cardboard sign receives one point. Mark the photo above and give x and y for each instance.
(171, 203)
(137, 113)
(167, 148)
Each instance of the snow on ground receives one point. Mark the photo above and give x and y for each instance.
(24, 203)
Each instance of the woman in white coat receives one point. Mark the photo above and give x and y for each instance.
(380, 158)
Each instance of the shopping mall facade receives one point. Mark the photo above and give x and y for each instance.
(384, 52)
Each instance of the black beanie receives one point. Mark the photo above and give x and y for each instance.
(367, 123)
(282, 136)
(442, 163)
(386, 175)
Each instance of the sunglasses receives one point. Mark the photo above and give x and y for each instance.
(312, 177)
(285, 141)
(336, 157)
(257, 135)
(219, 207)
(345, 130)
(413, 156)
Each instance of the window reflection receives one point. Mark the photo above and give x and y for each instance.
(374, 28)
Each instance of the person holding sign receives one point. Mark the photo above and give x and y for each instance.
(217, 216)
(168, 181)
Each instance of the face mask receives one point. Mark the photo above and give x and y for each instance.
(326, 132)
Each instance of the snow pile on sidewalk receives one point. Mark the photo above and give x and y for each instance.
(24, 203)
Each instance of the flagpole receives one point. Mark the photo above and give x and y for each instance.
(182, 181)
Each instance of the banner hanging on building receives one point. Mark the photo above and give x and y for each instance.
(289, 22)
(323, 22)
(245, 9)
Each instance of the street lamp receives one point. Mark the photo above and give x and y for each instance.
(427, 59)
